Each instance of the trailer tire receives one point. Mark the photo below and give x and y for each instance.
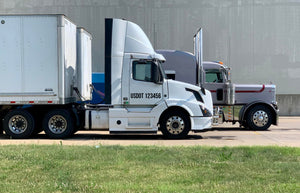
(175, 125)
(18, 124)
(58, 124)
(259, 118)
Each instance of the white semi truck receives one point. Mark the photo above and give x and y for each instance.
(252, 105)
(45, 63)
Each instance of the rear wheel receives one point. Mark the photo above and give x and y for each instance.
(58, 124)
(259, 118)
(175, 125)
(18, 124)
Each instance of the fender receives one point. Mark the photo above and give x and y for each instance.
(158, 110)
(172, 108)
(248, 106)
(192, 108)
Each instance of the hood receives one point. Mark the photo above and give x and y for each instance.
(254, 87)
(247, 93)
(186, 91)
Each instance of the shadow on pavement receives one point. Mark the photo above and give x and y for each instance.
(234, 129)
(126, 137)
(82, 136)
(95, 136)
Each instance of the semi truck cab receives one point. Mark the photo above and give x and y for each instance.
(217, 80)
(254, 106)
(138, 97)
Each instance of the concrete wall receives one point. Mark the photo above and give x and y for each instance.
(258, 39)
(289, 104)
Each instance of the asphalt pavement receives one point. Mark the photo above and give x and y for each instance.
(287, 133)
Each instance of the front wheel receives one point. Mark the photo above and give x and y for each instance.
(58, 124)
(175, 125)
(259, 118)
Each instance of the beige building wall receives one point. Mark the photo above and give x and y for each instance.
(258, 39)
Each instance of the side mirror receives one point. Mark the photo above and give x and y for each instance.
(170, 74)
(227, 75)
(157, 78)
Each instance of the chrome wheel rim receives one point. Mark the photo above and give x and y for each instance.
(57, 124)
(17, 124)
(260, 118)
(175, 125)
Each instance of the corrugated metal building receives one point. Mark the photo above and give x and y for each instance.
(258, 39)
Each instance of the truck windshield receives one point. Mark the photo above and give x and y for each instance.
(214, 76)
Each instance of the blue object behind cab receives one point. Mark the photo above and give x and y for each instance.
(98, 81)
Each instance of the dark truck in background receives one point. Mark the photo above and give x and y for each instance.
(254, 106)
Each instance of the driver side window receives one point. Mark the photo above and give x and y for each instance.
(142, 71)
(213, 76)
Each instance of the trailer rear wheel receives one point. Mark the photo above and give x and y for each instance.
(259, 118)
(58, 124)
(175, 125)
(18, 124)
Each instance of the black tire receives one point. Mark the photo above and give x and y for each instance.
(58, 124)
(175, 125)
(18, 124)
(259, 118)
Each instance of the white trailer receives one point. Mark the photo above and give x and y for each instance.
(38, 59)
(46, 67)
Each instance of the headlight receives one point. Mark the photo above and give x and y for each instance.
(205, 111)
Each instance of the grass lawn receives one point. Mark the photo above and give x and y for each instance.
(34, 168)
